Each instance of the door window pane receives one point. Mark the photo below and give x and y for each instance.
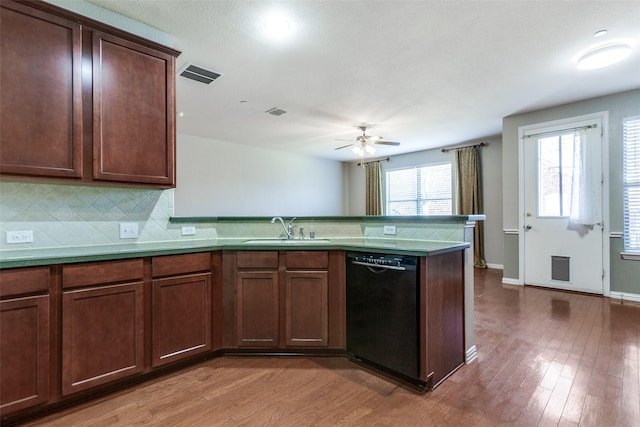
(555, 174)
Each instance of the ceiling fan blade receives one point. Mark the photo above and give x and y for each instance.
(342, 139)
(344, 146)
(387, 143)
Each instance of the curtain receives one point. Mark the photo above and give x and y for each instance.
(470, 196)
(585, 187)
(373, 188)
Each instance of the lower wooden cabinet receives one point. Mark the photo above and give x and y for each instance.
(306, 311)
(102, 335)
(181, 317)
(281, 299)
(24, 338)
(102, 323)
(257, 317)
(24, 353)
(181, 307)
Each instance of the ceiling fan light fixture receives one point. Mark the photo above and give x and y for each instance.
(603, 56)
(369, 149)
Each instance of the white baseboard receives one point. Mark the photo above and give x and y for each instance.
(625, 296)
(496, 266)
(508, 281)
(471, 354)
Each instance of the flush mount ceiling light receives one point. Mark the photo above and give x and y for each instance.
(277, 25)
(603, 56)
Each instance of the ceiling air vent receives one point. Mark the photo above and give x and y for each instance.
(275, 111)
(199, 74)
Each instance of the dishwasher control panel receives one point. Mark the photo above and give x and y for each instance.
(383, 260)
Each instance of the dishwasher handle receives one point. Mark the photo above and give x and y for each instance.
(381, 267)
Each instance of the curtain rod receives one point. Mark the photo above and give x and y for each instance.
(482, 144)
(595, 125)
(374, 161)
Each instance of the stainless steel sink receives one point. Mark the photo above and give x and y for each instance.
(285, 241)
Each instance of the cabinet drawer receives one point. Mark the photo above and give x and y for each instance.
(304, 260)
(20, 281)
(172, 265)
(101, 273)
(257, 259)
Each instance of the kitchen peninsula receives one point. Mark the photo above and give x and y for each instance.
(96, 319)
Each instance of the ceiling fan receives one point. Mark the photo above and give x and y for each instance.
(364, 142)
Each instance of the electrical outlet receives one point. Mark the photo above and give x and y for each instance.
(389, 229)
(188, 230)
(25, 236)
(128, 230)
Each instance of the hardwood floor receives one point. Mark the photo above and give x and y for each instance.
(544, 358)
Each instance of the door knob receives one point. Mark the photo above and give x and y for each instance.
(527, 227)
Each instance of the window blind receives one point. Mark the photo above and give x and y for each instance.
(631, 179)
(424, 190)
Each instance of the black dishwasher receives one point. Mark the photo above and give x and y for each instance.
(383, 313)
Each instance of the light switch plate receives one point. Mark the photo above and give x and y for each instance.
(25, 236)
(188, 230)
(128, 230)
(389, 229)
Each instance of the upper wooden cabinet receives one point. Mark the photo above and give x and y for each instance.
(133, 112)
(82, 100)
(41, 102)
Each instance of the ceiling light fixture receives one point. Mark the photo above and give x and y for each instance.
(603, 56)
(277, 25)
(600, 33)
(361, 149)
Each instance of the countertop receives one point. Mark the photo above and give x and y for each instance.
(35, 257)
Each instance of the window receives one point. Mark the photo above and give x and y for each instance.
(631, 179)
(555, 175)
(424, 190)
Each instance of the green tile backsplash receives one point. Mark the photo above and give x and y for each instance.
(76, 215)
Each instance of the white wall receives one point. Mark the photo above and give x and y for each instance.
(218, 178)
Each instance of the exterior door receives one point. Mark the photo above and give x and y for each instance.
(559, 250)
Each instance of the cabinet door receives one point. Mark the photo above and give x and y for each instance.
(102, 335)
(40, 106)
(257, 308)
(24, 353)
(307, 317)
(133, 112)
(181, 317)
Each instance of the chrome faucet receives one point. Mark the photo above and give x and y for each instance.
(288, 228)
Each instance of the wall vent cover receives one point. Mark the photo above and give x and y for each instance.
(199, 74)
(275, 111)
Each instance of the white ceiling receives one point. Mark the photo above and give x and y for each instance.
(426, 73)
